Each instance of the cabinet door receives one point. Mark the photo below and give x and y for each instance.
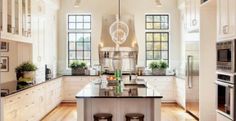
(226, 19)
(9, 16)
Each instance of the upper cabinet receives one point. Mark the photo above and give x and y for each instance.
(15, 20)
(192, 15)
(226, 14)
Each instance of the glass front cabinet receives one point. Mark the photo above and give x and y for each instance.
(15, 20)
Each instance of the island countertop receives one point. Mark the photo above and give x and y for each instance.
(129, 90)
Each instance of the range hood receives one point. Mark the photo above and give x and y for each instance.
(126, 55)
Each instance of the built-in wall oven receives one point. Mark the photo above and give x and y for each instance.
(226, 56)
(226, 95)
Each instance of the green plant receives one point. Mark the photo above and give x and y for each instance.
(26, 66)
(154, 65)
(161, 65)
(78, 64)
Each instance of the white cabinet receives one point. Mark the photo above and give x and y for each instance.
(73, 84)
(15, 20)
(226, 14)
(165, 85)
(192, 15)
(32, 104)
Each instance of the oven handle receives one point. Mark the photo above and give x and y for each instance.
(224, 84)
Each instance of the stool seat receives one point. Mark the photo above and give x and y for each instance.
(102, 116)
(138, 116)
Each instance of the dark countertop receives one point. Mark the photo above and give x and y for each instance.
(13, 87)
(102, 90)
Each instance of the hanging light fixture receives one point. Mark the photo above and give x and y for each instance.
(77, 3)
(158, 3)
(119, 30)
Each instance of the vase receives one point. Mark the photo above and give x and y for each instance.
(159, 72)
(78, 71)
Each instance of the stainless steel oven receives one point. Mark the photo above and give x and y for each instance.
(226, 55)
(226, 95)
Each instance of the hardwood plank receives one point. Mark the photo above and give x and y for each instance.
(67, 112)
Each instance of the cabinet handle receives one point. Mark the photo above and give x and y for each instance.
(226, 29)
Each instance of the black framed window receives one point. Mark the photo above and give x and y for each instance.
(79, 38)
(157, 39)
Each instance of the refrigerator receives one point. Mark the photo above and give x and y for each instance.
(192, 57)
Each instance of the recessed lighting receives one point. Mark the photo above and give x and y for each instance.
(158, 3)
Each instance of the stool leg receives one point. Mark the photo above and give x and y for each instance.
(142, 119)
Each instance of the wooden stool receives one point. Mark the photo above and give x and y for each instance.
(136, 116)
(102, 116)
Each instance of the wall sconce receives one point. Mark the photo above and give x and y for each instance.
(158, 3)
(77, 3)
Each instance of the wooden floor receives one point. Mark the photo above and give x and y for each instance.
(67, 112)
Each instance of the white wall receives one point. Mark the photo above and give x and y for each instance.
(100, 8)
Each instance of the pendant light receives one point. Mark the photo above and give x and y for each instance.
(77, 3)
(119, 30)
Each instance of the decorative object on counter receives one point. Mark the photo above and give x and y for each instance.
(4, 63)
(26, 72)
(48, 73)
(4, 46)
(78, 67)
(158, 67)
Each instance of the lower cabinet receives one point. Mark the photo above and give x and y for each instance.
(73, 84)
(32, 104)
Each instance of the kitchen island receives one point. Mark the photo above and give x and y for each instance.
(134, 98)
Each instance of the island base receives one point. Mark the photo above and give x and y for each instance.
(118, 107)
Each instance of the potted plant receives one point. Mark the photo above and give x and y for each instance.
(26, 72)
(78, 68)
(158, 67)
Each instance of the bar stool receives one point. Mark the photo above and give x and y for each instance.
(102, 116)
(136, 116)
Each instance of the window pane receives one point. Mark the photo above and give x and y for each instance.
(87, 62)
(71, 19)
(149, 25)
(164, 46)
(149, 55)
(80, 55)
(157, 46)
(149, 18)
(164, 54)
(87, 46)
(157, 37)
(80, 37)
(79, 46)
(72, 46)
(164, 37)
(157, 19)
(164, 25)
(86, 25)
(87, 18)
(157, 25)
(87, 37)
(148, 62)
(157, 55)
(164, 19)
(149, 37)
(71, 25)
(86, 54)
(71, 36)
(72, 55)
(79, 26)
(149, 46)
(79, 19)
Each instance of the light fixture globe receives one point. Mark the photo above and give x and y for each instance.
(119, 31)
